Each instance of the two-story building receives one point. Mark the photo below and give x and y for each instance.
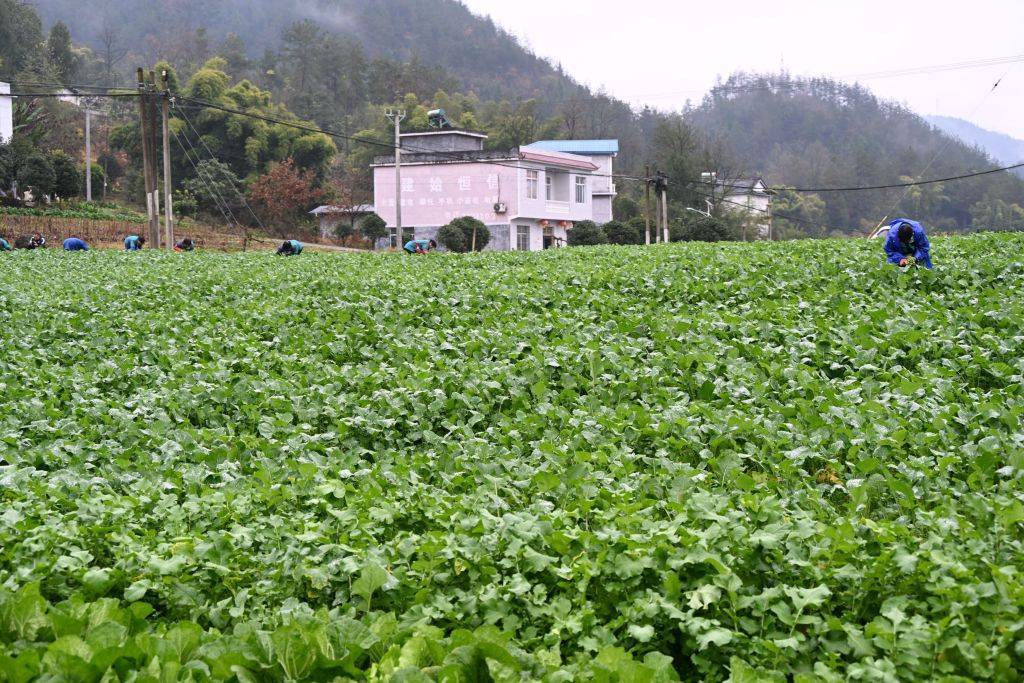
(529, 197)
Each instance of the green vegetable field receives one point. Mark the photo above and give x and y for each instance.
(765, 462)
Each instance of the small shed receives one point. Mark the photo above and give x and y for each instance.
(330, 216)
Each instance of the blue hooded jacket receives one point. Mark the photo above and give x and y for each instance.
(918, 247)
(75, 244)
(131, 243)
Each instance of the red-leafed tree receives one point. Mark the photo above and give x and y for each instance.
(284, 195)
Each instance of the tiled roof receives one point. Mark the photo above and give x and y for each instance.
(328, 208)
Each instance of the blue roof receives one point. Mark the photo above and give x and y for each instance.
(588, 147)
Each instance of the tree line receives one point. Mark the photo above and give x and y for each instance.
(329, 70)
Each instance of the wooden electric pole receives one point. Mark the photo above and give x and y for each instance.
(147, 159)
(647, 204)
(397, 115)
(168, 206)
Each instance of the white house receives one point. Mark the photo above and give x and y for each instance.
(751, 195)
(602, 185)
(529, 197)
(6, 113)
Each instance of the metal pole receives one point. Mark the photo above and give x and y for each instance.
(146, 169)
(168, 207)
(397, 115)
(647, 204)
(88, 158)
(664, 215)
(155, 227)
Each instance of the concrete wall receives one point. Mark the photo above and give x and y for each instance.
(6, 114)
(434, 194)
(441, 141)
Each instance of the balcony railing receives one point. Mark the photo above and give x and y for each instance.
(557, 207)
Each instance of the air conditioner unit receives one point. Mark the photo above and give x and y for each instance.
(500, 207)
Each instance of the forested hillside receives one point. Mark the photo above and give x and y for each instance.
(810, 133)
(1004, 148)
(441, 33)
(338, 63)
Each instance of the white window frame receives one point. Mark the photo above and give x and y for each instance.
(581, 190)
(522, 231)
(549, 186)
(532, 181)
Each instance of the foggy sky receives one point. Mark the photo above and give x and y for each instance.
(662, 52)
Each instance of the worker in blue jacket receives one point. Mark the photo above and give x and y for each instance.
(133, 242)
(75, 244)
(290, 248)
(907, 244)
(419, 246)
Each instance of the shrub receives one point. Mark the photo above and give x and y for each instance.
(622, 233)
(373, 228)
(457, 236)
(68, 181)
(586, 233)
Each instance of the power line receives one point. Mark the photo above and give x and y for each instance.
(873, 75)
(891, 186)
(214, 156)
(370, 141)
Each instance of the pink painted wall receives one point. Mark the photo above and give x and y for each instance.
(433, 195)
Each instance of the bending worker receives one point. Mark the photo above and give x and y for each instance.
(133, 242)
(419, 246)
(907, 244)
(185, 245)
(290, 248)
(75, 244)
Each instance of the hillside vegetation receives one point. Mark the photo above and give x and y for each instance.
(588, 464)
(338, 63)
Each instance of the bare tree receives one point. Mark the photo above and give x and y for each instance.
(112, 50)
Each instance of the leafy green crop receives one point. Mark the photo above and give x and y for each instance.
(107, 212)
(614, 464)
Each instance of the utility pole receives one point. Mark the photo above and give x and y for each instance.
(168, 207)
(663, 186)
(154, 173)
(647, 204)
(88, 157)
(397, 116)
(664, 209)
(147, 153)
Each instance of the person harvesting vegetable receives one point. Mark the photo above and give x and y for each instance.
(4, 244)
(75, 244)
(290, 248)
(185, 245)
(419, 246)
(133, 242)
(907, 244)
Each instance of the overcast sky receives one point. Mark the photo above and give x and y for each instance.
(661, 52)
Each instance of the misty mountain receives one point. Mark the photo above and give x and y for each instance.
(819, 132)
(1003, 148)
(350, 57)
(442, 33)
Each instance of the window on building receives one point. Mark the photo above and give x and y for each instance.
(531, 184)
(523, 237)
(549, 187)
(581, 190)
